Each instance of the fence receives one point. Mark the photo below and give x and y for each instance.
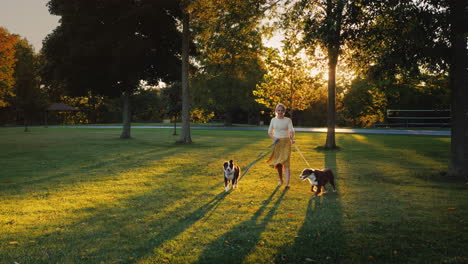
(416, 118)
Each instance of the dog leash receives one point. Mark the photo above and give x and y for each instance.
(300, 153)
(259, 157)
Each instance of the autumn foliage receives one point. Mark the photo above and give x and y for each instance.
(7, 64)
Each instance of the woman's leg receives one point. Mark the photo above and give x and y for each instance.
(287, 172)
(279, 168)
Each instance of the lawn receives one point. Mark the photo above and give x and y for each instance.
(82, 195)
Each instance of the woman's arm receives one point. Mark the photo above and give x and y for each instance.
(271, 130)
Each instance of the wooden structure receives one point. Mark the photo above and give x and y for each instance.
(59, 107)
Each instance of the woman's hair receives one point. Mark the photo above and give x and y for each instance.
(280, 105)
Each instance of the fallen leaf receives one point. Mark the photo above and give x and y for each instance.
(13, 243)
(451, 208)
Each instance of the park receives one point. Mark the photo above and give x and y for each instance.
(86, 197)
(114, 133)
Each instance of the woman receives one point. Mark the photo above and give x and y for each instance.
(282, 132)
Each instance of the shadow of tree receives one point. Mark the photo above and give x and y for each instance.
(396, 216)
(320, 238)
(127, 161)
(240, 240)
(180, 226)
(122, 234)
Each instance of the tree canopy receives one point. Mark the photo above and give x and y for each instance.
(229, 46)
(28, 96)
(7, 64)
(108, 47)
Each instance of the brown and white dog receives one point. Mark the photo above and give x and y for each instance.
(318, 179)
(231, 174)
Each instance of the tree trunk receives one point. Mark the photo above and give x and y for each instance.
(126, 115)
(185, 137)
(331, 109)
(458, 166)
(228, 117)
(26, 129)
(334, 20)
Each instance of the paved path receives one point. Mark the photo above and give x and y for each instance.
(313, 130)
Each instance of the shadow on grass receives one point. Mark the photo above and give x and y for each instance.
(111, 164)
(130, 228)
(116, 164)
(120, 234)
(235, 245)
(180, 226)
(396, 215)
(320, 238)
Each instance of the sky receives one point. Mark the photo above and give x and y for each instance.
(28, 18)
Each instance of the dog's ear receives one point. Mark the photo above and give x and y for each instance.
(231, 161)
(225, 164)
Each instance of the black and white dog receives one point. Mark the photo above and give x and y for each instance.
(318, 179)
(231, 174)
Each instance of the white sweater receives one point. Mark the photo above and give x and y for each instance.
(281, 128)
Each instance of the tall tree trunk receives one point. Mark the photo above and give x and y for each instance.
(458, 166)
(126, 115)
(331, 109)
(185, 134)
(334, 18)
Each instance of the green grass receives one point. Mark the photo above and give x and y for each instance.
(85, 196)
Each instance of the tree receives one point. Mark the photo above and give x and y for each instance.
(108, 48)
(229, 44)
(148, 105)
(28, 96)
(329, 24)
(288, 79)
(409, 36)
(173, 101)
(230, 95)
(458, 12)
(185, 136)
(7, 64)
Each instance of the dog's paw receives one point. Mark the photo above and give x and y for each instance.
(226, 189)
(234, 186)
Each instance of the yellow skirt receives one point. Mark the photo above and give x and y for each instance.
(281, 153)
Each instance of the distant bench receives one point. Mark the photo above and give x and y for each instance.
(416, 118)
